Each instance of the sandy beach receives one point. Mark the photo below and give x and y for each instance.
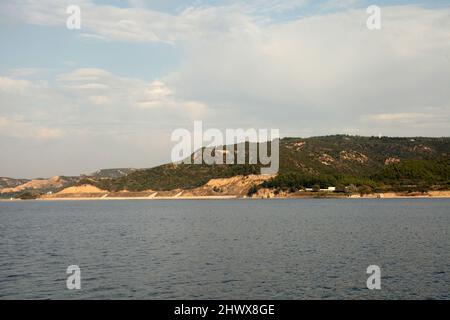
(388, 195)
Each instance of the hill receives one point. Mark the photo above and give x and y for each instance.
(111, 173)
(325, 161)
(11, 183)
(50, 184)
(349, 163)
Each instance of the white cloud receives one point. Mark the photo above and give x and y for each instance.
(121, 122)
(100, 21)
(275, 6)
(99, 100)
(90, 86)
(401, 117)
(340, 4)
(323, 72)
(10, 85)
(303, 69)
(137, 24)
(48, 133)
(15, 128)
(101, 87)
(89, 101)
(319, 74)
(428, 118)
(25, 72)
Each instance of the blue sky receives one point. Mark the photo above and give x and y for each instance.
(30, 46)
(137, 70)
(61, 49)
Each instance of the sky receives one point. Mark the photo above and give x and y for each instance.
(110, 94)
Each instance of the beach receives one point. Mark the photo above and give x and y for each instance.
(112, 197)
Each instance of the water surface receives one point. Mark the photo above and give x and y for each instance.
(226, 249)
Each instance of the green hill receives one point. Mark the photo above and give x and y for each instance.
(339, 160)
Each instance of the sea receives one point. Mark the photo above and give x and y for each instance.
(225, 249)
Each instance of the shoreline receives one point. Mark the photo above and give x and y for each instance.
(445, 195)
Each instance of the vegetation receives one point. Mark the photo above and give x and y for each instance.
(410, 175)
(171, 176)
(364, 164)
(352, 164)
(28, 195)
(253, 190)
(423, 172)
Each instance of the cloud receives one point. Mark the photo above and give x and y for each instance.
(99, 100)
(302, 74)
(138, 24)
(48, 133)
(99, 21)
(78, 99)
(238, 67)
(25, 72)
(340, 4)
(14, 128)
(101, 87)
(118, 121)
(13, 86)
(429, 118)
(401, 117)
(323, 73)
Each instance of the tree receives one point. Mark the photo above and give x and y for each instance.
(351, 189)
(340, 188)
(253, 189)
(423, 188)
(316, 188)
(28, 196)
(363, 190)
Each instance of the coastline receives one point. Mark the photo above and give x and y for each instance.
(379, 196)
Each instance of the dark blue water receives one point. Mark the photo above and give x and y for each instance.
(264, 249)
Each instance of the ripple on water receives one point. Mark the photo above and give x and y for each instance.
(293, 249)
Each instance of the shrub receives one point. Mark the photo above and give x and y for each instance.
(363, 190)
(28, 195)
(253, 190)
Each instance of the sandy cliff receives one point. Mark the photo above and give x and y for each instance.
(54, 182)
